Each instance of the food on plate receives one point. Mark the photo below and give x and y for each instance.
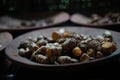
(67, 47)
(109, 18)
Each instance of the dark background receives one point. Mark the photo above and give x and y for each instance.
(71, 6)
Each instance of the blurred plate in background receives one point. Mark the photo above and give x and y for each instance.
(107, 20)
(5, 39)
(29, 21)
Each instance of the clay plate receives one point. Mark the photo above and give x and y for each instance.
(81, 19)
(12, 52)
(13, 22)
(5, 39)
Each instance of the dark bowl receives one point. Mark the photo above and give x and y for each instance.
(12, 52)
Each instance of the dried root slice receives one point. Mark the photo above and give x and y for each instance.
(84, 57)
(41, 59)
(99, 54)
(108, 47)
(90, 52)
(77, 52)
(56, 35)
(66, 59)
